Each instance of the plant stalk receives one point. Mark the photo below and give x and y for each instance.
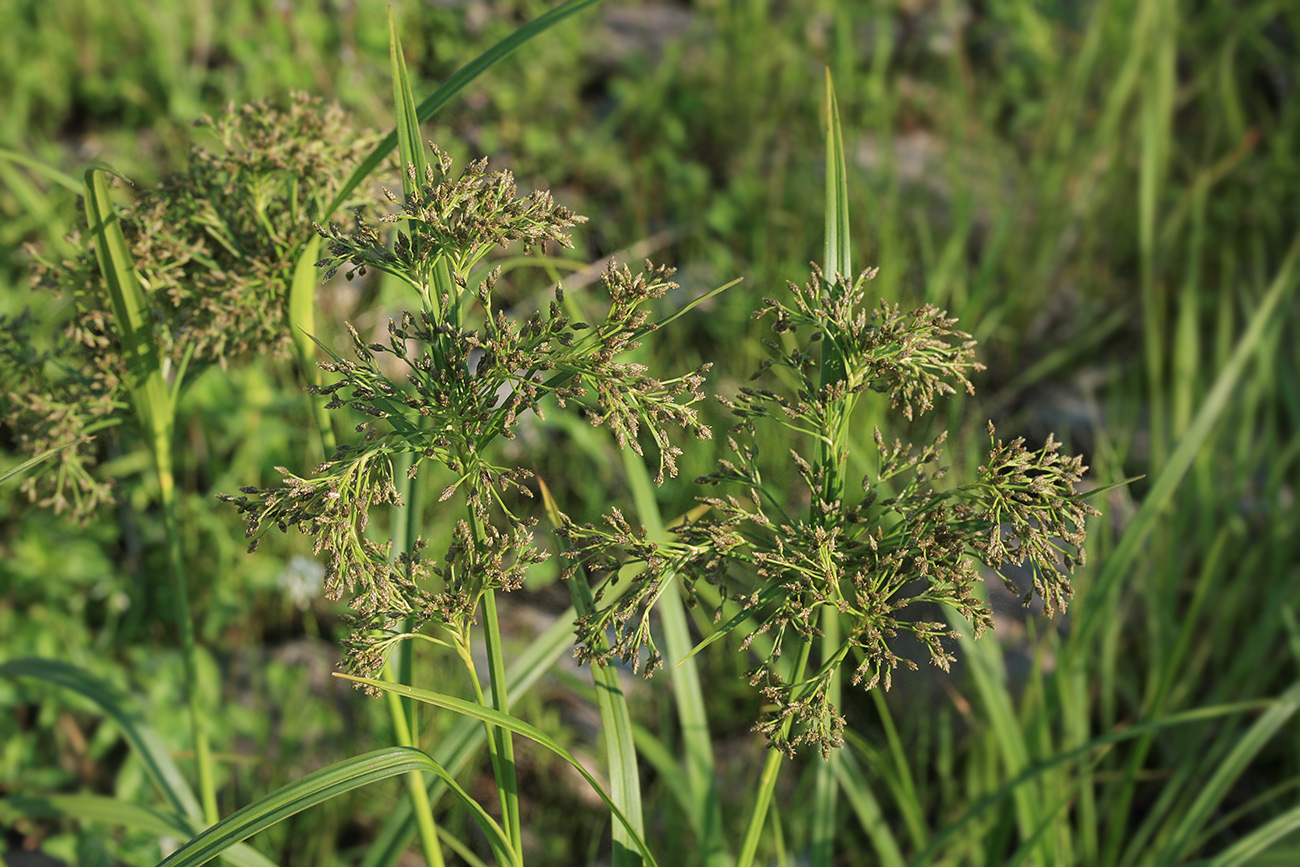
(767, 780)
(415, 787)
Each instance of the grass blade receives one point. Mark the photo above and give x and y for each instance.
(456, 749)
(494, 717)
(1162, 491)
(409, 144)
(144, 740)
(454, 85)
(1257, 841)
(1216, 788)
(130, 312)
(32, 463)
(319, 787)
(838, 256)
(705, 812)
(121, 814)
(852, 781)
(624, 775)
(1101, 742)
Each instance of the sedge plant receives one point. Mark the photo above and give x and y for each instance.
(812, 590)
(835, 585)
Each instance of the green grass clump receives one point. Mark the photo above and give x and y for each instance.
(1103, 197)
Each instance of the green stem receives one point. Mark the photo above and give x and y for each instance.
(414, 780)
(826, 789)
(185, 626)
(767, 780)
(503, 764)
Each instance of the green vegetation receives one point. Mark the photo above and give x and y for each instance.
(1100, 197)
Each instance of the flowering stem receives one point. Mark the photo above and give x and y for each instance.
(184, 624)
(415, 787)
(767, 780)
(503, 757)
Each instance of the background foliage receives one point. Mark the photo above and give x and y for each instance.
(1103, 193)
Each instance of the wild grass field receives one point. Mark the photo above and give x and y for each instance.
(1102, 195)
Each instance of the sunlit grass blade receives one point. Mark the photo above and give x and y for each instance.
(302, 325)
(409, 144)
(616, 721)
(453, 86)
(120, 814)
(705, 812)
(852, 781)
(494, 717)
(1089, 753)
(145, 742)
(33, 463)
(155, 409)
(838, 261)
(457, 748)
(838, 251)
(1250, 847)
(988, 671)
(130, 312)
(68, 182)
(321, 786)
(1225, 387)
(1212, 793)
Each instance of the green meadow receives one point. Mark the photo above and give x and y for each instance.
(821, 433)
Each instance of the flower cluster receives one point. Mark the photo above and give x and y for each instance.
(881, 558)
(459, 374)
(215, 245)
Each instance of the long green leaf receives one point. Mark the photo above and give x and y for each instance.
(853, 782)
(978, 808)
(454, 85)
(1215, 789)
(705, 812)
(130, 313)
(321, 786)
(456, 749)
(988, 671)
(494, 717)
(1171, 476)
(838, 254)
(66, 181)
(32, 463)
(409, 144)
(1257, 841)
(616, 720)
(123, 814)
(144, 740)
(302, 325)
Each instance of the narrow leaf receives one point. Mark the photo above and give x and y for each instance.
(144, 740)
(1215, 789)
(512, 724)
(130, 312)
(319, 787)
(119, 813)
(32, 463)
(453, 86)
(838, 256)
(1171, 475)
(624, 775)
(409, 144)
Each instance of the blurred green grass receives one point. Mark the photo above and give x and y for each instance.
(1102, 192)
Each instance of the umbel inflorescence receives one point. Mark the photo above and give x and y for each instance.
(873, 553)
(215, 246)
(469, 374)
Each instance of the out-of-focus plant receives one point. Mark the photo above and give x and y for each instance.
(215, 246)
